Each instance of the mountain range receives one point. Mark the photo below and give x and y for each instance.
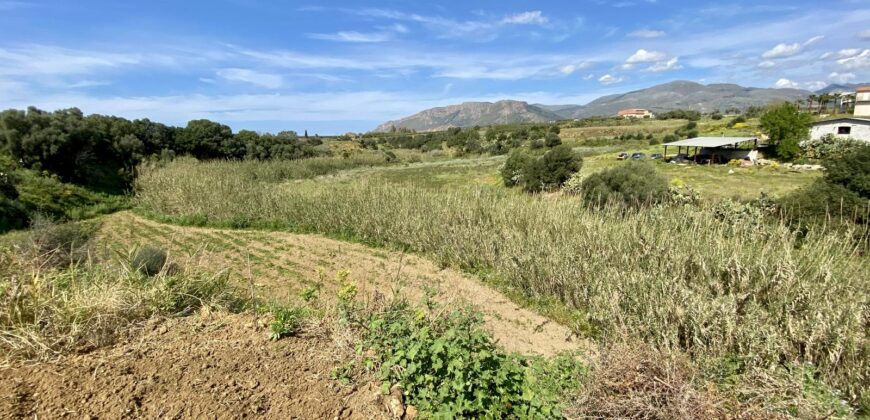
(660, 98)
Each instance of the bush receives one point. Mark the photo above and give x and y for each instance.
(149, 260)
(654, 141)
(635, 184)
(828, 147)
(448, 366)
(513, 170)
(552, 140)
(843, 193)
(552, 169)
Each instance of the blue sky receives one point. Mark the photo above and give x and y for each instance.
(336, 66)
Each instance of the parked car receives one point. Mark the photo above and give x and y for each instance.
(622, 156)
(655, 156)
(638, 156)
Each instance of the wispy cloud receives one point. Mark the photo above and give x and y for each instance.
(609, 79)
(841, 77)
(646, 33)
(352, 36)
(672, 64)
(535, 17)
(788, 50)
(857, 61)
(266, 80)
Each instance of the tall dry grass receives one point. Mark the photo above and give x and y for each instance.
(57, 300)
(678, 278)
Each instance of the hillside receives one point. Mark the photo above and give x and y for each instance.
(684, 95)
(842, 88)
(664, 97)
(469, 114)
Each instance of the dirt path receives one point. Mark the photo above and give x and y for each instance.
(280, 265)
(203, 366)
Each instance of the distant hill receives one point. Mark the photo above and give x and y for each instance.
(684, 95)
(660, 98)
(841, 87)
(470, 114)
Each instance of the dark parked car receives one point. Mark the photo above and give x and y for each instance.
(655, 156)
(622, 156)
(638, 156)
(680, 158)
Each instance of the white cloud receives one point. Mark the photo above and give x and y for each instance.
(672, 64)
(353, 36)
(535, 17)
(644, 56)
(844, 53)
(589, 76)
(814, 86)
(788, 50)
(766, 64)
(841, 77)
(266, 80)
(782, 51)
(646, 33)
(865, 34)
(859, 61)
(785, 84)
(571, 68)
(607, 79)
(33, 60)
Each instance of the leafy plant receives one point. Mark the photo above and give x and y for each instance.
(286, 321)
(449, 367)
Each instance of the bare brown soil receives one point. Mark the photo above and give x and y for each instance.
(204, 366)
(279, 265)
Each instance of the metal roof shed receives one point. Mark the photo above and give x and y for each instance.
(708, 142)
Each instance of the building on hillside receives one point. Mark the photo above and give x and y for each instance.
(862, 102)
(850, 127)
(635, 113)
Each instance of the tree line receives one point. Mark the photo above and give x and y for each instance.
(102, 152)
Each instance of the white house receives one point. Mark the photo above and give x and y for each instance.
(854, 127)
(862, 102)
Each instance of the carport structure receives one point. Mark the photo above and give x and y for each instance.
(716, 146)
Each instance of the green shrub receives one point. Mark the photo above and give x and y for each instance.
(828, 147)
(448, 366)
(286, 321)
(513, 170)
(635, 184)
(843, 193)
(552, 169)
(552, 140)
(149, 260)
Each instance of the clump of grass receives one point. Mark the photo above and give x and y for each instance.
(149, 260)
(57, 245)
(46, 310)
(673, 277)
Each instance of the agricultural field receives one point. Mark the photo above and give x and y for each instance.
(360, 284)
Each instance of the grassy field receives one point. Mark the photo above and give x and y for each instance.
(677, 278)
